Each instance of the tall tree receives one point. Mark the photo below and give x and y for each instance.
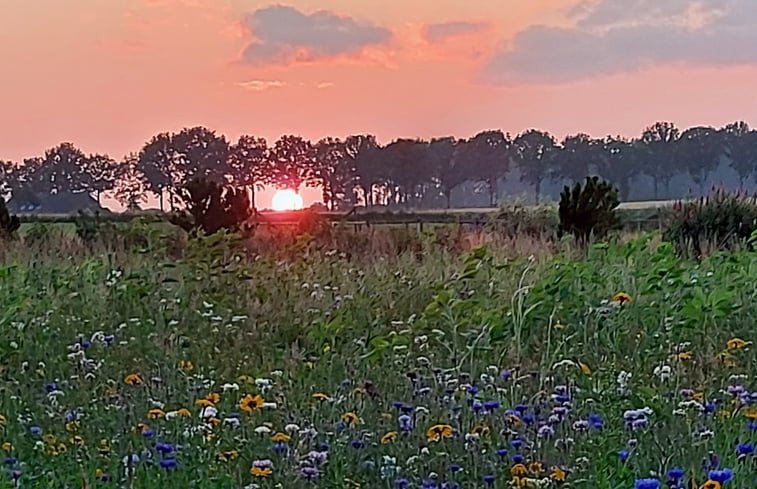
(101, 173)
(578, 157)
(334, 171)
(250, 164)
(292, 162)
(365, 154)
(61, 170)
(447, 166)
(659, 147)
(621, 161)
(487, 154)
(156, 164)
(536, 151)
(406, 175)
(130, 185)
(741, 149)
(200, 154)
(699, 149)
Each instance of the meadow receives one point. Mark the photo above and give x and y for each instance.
(623, 365)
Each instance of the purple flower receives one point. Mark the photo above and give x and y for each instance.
(401, 483)
(743, 449)
(168, 463)
(489, 479)
(596, 421)
(646, 484)
(675, 473)
(546, 431)
(505, 375)
(491, 405)
(35, 430)
(406, 423)
(309, 472)
(454, 468)
(623, 455)
(164, 448)
(502, 452)
(357, 444)
(721, 476)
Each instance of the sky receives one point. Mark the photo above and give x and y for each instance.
(109, 74)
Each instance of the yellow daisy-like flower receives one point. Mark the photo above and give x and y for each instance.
(280, 437)
(228, 455)
(622, 298)
(350, 418)
(736, 344)
(250, 403)
(711, 484)
(751, 413)
(518, 470)
(439, 431)
(3, 421)
(183, 412)
(7, 446)
(204, 403)
(72, 426)
(584, 368)
(133, 379)
(388, 437)
(536, 467)
(186, 365)
(685, 355)
(480, 430)
(155, 414)
(558, 474)
(513, 419)
(104, 447)
(76, 441)
(319, 396)
(261, 471)
(213, 397)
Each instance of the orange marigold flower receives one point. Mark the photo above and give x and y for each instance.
(558, 474)
(536, 467)
(622, 298)
(250, 403)
(133, 379)
(685, 355)
(155, 414)
(513, 419)
(184, 412)
(480, 430)
(228, 455)
(350, 418)
(280, 437)
(388, 437)
(735, 344)
(751, 413)
(711, 484)
(204, 403)
(319, 396)
(439, 431)
(186, 365)
(213, 397)
(518, 470)
(261, 471)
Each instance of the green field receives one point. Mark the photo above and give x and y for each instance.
(412, 370)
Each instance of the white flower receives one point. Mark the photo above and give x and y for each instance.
(230, 387)
(262, 430)
(663, 372)
(172, 415)
(291, 428)
(567, 363)
(208, 412)
(269, 405)
(233, 422)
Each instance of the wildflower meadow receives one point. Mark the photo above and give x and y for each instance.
(626, 366)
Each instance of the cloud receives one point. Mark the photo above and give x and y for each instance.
(284, 35)
(260, 85)
(443, 31)
(621, 36)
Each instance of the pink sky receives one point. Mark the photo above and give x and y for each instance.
(107, 75)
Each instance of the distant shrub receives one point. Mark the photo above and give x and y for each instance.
(517, 220)
(9, 224)
(588, 210)
(719, 221)
(211, 207)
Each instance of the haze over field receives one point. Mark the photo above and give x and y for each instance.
(109, 75)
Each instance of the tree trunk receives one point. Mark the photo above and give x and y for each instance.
(537, 190)
(655, 188)
(160, 198)
(252, 199)
(448, 196)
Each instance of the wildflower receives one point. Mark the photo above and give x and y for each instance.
(3, 421)
(711, 484)
(622, 298)
(203, 403)
(623, 455)
(319, 396)
(721, 476)
(133, 379)
(750, 413)
(675, 473)
(735, 344)
(213, 397)
(280, 437)
(7, 446)
(262, 468)
(141, 427)
(558, 474)
(350, 418)
(439, 431)
(35, 430)
(744, 449)
(388, 437)
(357, 444)
(183, 412)
(518, 470)
(406, 423)
(228, 455)
(401, 483)
(77, 441)
(480, 430)
(168, 463)
(309, 472)
(104, 447)
(584, 368)
(489, 479)
(685, 355)
(186, 365)
(513, 419)
(155, 414)
(72, 426)
(646, 484)
(250, 403)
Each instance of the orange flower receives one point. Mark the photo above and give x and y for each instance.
(133, 379)
(250, 403)
(186, 365)
(319, 396)
(439, 431)
(261, 471)
(558, 474)
(736, 344)
(213, 397)
(388, 437)
(184, 412)
(518, 470)
(204, 403)
(155, 414)
(350, 418)
(622, 298)
(280, 437)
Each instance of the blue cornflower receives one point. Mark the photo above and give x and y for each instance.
(323, 447)
(518, 458)
(164, 448)
(397, 405)
(85, 343)
(357, 444)
(751, 425)
(401, 483)
(517, 443)
(745, 448)
(561, 398)
(505, 375)
(454, 468)
(168, 463)
(646, 484)
(722, 476)
(10, 461)
(491, 405)
(529, 419)
(489, 479)
(109, 338)
(675, 473)
(148, 433)
(407, 408)
(623, 455)
(341, 426)
(429, 484)
(521, 408)
(51, 387)
(35, 430)
(406, 423)
(502, 452)
(477, 405)
(596, 421)
(472, 390)
(71, 416)
(279, 447)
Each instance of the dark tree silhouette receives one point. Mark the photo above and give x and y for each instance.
(700, 149)
(129, 188)
(212, 206)
(61, 170)
(447, 166)
(488, 156)
(250, 164)
(405, 178)
(101, 173)
(200, 154)
(578, 156)
(536, 151)
(292, 161)
(621, 160)
(741, 148)
(659, 147)
(156, 164)
(334, 171)
(365, 153)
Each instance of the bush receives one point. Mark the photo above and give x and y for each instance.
(720, 221)
(8, 224)
(211, 207)
(589, 210)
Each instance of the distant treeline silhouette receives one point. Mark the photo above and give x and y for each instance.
(411, 173)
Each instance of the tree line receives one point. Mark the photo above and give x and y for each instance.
(413, 173)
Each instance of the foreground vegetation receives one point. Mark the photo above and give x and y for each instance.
(431, 367)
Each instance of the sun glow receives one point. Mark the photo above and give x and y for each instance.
(286, 200)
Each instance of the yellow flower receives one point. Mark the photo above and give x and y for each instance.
(104, 447)
(245, 379)
(684, 355)
(558, 474)
(358, 391)
(621, 298)
(213, 397)
(49, 439)
(141, 427)
(751, 413)
(319, 396)
(261, 472)
(8, 446)
(72, 426)
(584, 368)
(204, 403)
(3, 421)
(480, 430)
(698, 396)
(155, 414)
(387, 416)
(439, 431)
(558, 325)
(184, 412)
(133, 379)
(711, 484)
(250, 403)
(536, 468)
(186, 365)
(76, 441)
(99, 473)
(350, 418)
(280, 437)
(518, 470)
(228, 455)
(214, 421)
(736, 344)
(513, 419)
(388, 437)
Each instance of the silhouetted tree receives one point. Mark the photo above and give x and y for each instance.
(63, 169)
(447, 165)
(250, 164)
(659, 147)
(292, 161)
(621, 161)
(365, 154)
(536, 151)
(405, 176)
(699, 149)
(156, 164)
(200, 154)
(101, 173)
(487, 154)
(578, 157)
(212, 206)
(334, 171)
(130, 187)
(741, 148)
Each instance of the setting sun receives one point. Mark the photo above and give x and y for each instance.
(286, 200)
